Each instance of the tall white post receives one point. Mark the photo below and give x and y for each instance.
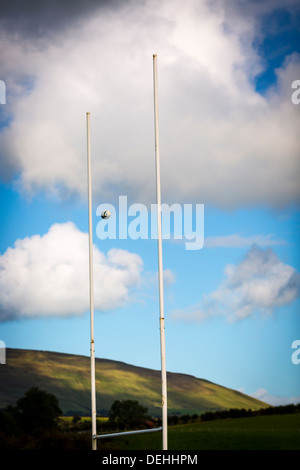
(160, 266)
(93, 383)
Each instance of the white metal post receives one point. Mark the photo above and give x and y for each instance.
(91, 288)
(160, 266)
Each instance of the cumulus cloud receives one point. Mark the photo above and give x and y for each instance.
(48, 275)
(40, 19)
(221, 142)
(260, 283)
(273, 400)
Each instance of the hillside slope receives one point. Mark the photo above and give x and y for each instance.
(67, 376)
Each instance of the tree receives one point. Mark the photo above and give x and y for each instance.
(127, 414)
(37, 410)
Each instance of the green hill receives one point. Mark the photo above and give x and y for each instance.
(67, 376)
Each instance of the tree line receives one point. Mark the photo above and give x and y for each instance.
(242, 413)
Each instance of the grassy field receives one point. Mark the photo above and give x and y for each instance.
(276, 432)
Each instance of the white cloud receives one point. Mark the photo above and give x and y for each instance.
(151, 279)
(260, 283)
(221, 142)
(169, 277)
(48, 275)
(264, 395)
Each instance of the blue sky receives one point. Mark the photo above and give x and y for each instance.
(229, 139)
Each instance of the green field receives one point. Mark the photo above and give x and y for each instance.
(276, 432)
